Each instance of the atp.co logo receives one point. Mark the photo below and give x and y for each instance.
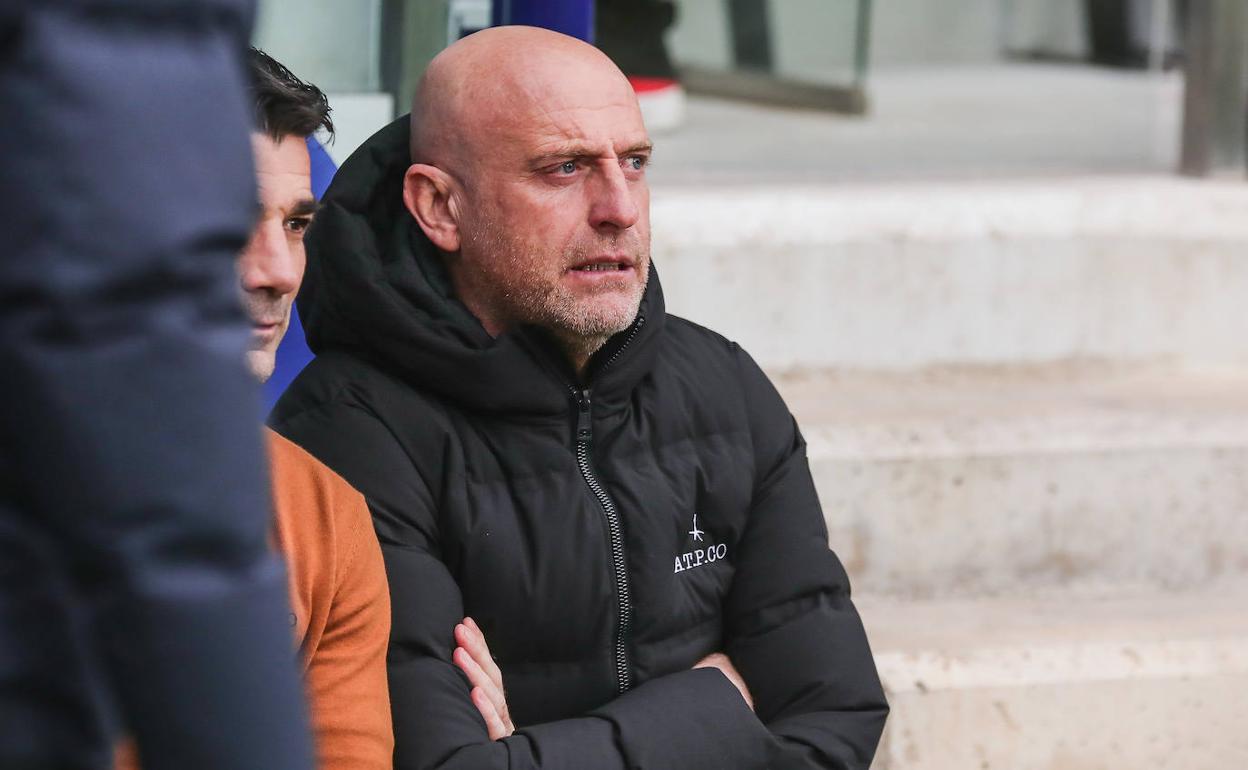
(699, 555)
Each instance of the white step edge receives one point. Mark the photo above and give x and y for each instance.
(995, 482)
(1064, 681)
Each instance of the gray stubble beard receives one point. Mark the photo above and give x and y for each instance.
(571, 323)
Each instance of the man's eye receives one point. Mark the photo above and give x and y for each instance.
(298, 224)
(636, 162)
(567, 167)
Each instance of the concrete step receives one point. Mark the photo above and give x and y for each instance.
(1007, 481)
(906, 276)
(1156, 680)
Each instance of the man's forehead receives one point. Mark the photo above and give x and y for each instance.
(283, 170)
(570, 144)
(288, 154)
(561, 127)
(551, 95)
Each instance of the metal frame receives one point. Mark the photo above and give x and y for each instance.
(1215, 102)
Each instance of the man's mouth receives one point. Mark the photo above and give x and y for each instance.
(603, 265)
(267, 316)
(264, 332)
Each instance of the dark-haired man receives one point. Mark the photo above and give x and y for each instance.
(337, 580)
(338, 592)
(618, 498)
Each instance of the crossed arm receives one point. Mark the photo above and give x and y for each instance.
(472, 656)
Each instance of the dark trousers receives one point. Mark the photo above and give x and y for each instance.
(137, 589)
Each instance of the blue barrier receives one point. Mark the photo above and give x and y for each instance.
(571, 17)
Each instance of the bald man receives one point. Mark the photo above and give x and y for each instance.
(601, 535)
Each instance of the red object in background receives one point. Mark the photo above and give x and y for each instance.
(662, 101)
(649, 85)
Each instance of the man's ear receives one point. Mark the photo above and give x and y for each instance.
(427, 195)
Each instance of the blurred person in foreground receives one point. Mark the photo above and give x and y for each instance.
(617, 498)
(338, 591)
(137, 584)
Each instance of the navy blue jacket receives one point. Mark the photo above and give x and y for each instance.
(135, 573)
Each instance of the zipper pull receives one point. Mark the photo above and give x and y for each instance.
(584, 425)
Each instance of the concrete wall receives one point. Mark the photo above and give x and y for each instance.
(901, 278)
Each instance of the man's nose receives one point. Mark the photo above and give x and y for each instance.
(267, 262)
(615, 203)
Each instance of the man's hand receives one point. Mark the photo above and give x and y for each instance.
(720, 661)
(473, 658)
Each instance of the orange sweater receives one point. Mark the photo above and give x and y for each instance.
(341, 605)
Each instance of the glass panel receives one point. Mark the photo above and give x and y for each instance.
(333, 44)
(700, 36)
(814, 40)
(956, 89)
(811, 41)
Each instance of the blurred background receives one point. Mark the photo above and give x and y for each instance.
(995, 255)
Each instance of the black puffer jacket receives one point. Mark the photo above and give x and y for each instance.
(605, 536)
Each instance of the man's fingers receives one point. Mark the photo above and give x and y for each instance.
(478, 678)
(473, 656)
(493, 722)
(474, 644)
(474, 641)
(465, 662)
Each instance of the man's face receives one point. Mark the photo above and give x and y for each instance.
(556, 227)
(271, 266)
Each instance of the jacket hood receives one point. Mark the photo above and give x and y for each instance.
(375, 288)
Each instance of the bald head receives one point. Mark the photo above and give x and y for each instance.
(528, 175)
(479, 86)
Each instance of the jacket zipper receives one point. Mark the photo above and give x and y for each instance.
(584, 439)
(640, 322)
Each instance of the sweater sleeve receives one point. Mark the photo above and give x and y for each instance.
(346, 678)
(791, 630)
(688, 720)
